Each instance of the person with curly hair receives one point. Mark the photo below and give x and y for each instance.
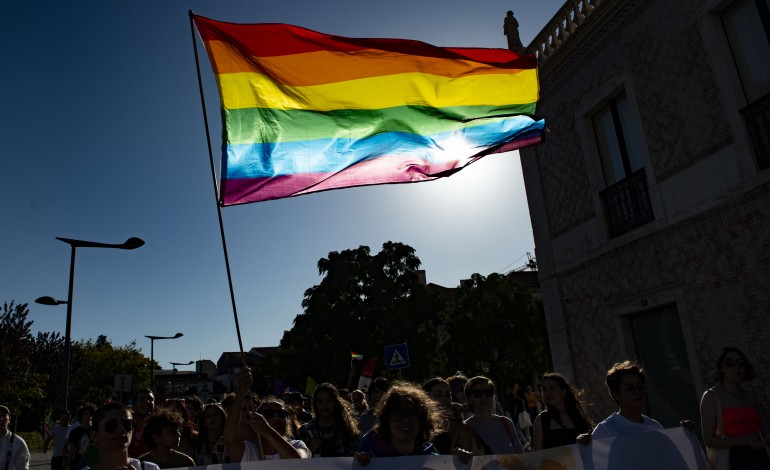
(333, 431)
(189, 439)
(162, 434)
(563, 419)
(732, 417)
(406, 421)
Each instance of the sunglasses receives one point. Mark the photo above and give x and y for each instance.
(111, 425)
(730, 362)
(271, 413)
(487, 392)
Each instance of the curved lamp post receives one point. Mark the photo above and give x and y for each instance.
(130, 244)
(152, 355)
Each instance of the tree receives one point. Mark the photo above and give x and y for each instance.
(21, 385)
(364, 303)
(32, 368)
(94, 365)
(493, 326)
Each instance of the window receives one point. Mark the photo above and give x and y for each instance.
(747, 26)
(618, 146)
(626, 199)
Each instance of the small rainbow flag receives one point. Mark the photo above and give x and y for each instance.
(355, 356)
(305, 111)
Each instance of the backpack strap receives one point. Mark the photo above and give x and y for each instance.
(10, 451)
(508, 431)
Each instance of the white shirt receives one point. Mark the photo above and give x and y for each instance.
(19, 453)
(58, 434)
(137, 465)
(251, 451)
(616, 425)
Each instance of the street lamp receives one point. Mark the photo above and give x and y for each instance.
(173, 373)
(152, 355)
(130, 244)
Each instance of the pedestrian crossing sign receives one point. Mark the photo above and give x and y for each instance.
(396, 356)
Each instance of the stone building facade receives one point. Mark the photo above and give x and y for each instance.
(650, 198)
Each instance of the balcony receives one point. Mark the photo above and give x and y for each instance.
(627, 204)
(757, 116)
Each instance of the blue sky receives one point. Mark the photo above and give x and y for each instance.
(103, 139)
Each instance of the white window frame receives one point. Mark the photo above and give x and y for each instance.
(591, 104)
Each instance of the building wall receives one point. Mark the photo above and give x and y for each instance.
(708, 250)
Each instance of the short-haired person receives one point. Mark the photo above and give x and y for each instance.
(14, 454)
(457, 384)
(626, 383)
(498, 434)
(58, 436)
(261, 435)
(144, 404)
(113, 424)
(162, 433)
(360, 405)
(296, 404)
(81, 447)
(406, 422)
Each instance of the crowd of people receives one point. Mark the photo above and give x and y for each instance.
(455, 416)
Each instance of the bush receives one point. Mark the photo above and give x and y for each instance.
(33, 439)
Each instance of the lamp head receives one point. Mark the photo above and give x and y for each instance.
(133, 243)
(48, 300)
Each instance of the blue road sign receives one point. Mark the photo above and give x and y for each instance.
(396, 356)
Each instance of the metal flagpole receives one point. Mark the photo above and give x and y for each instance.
(216, 191)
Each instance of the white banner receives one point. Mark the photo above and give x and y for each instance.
(670, 449)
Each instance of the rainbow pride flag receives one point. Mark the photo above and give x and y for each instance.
(355, 356)
(305, 111)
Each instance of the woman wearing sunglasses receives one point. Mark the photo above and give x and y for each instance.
(263, 435)
(498, 434)
(406, 422)
(732, 419)
(112, 428)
